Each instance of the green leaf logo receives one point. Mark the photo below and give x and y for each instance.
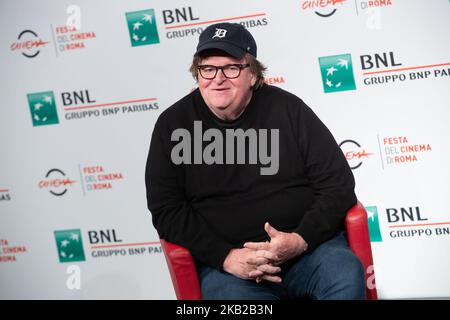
(142, 27)
(69, 245)
(337, 73)
(43, 108)
(374, 225)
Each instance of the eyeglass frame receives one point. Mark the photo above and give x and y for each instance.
(241, 66)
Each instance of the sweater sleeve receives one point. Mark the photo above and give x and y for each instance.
(172, 214)
(329, 176)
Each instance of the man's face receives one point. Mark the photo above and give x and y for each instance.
(227, 98)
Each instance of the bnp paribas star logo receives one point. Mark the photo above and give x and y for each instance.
(142, 27)
(337, 73)
(374, 225)
(43, 108)
(70, 245)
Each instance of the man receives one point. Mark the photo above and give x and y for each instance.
(247, 178)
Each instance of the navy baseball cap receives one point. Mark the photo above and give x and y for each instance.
(233, 38)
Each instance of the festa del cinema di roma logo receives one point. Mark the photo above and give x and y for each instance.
(327, 8)
(322, 8)
(56, 182)
(29, 44)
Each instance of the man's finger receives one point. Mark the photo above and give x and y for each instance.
(257, 245)
(271, 231)
(268, 269)
(266, 254)
(255, 274)
(257, 261)
(271, 278)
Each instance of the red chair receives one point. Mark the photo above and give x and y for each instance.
(184, 274)
(359, 241)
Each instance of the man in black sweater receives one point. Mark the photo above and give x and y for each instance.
(247, 177)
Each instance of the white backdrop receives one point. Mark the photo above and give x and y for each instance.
(83, 84)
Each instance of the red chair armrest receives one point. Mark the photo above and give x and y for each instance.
(359, 242)
(182, 271)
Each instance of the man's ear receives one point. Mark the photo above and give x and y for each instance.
(253, 80)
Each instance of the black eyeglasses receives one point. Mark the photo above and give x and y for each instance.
(230, 71)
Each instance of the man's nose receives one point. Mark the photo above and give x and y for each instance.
(220, 77)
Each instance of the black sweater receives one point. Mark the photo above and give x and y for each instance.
(212, 208)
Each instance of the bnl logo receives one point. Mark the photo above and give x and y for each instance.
(142, 27)
(373, 223)
(69, 245)
(43, 108)
(337, 73)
